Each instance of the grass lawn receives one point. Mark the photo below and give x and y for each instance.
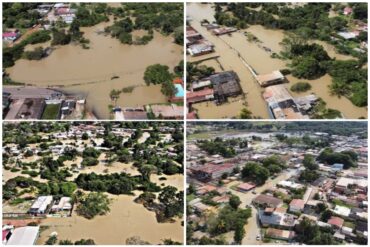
(349, 224)
(190, 197)
(51, 111)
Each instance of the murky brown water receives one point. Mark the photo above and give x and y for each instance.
(261, 61)
(93, 68)
(230, 61)
(126, 219)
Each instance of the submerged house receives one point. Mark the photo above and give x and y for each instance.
(26, 235)
(11, 36)
(225, 84)
(41, 205)
(274, 77)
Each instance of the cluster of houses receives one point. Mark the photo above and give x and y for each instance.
(172, 110)
(57, 12)
(217, 88)
(39, 103)
(354, 31)
(94, 132)
(50, 13)
(279, 210)
(47, 205)
(282, 105)
(159, 111)
(196, 44)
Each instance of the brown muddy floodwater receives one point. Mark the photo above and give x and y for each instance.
(125, 219)
(89, 71)
(262, 63)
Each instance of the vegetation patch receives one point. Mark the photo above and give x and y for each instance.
(300, 87)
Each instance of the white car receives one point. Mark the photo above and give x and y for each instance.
(258, 238)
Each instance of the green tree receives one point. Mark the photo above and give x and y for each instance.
(245, 114)
(168, 89)
(157, 74)
(255, 172)
(234, 201)
(95, 203)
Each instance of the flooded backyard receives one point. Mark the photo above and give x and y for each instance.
(125, 219)
(89, 71)
(230, 47)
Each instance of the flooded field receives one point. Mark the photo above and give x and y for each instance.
(89, 71)
(125, 219)
(228, 47)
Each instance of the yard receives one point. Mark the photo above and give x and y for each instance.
(51, 111)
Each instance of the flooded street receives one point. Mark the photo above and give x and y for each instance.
(89, 71)
(228, 48)
(125, 219)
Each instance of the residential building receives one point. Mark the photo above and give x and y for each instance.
(26, 235)
(296, 205)
(267, 201)
(40, 206)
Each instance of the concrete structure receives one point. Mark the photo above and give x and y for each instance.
(267, 201)
(279, 234)
(296, 206)
(64, 204)
(27, 235)
(200, 96)
(168, 111)
(336, 222)
(225, 84)
(196, 44)
(281, 103)
(290, 184)
(41, 204)
(276, 220)
(274, 77)
(32, 109)
(211, 171)
(244, 187)
(342, 211)
(223, 30)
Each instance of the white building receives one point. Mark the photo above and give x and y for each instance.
(41, 204)
(24, 236)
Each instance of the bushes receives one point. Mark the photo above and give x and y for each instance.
(89, 161)
(112, 183)
(38, 37)
(60, 37)
(300, 87)
(36, 54)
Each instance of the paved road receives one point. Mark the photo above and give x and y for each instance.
(252, 229)
(22, 92)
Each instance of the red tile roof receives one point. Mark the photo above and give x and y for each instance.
(246, 186)
(177, 80)
(9, 34)
(297, 203)
(211, 168)
(191, 115)
(336, 221)
(201, 93)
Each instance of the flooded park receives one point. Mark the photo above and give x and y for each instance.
(229, 49)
